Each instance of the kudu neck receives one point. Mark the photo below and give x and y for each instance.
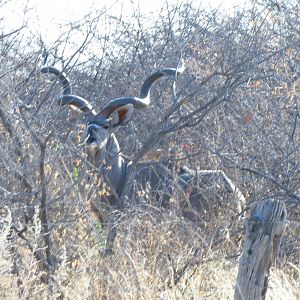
(115, 165)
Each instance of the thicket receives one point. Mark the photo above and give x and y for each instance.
(235, 108)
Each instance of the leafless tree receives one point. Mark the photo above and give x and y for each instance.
(235, 109)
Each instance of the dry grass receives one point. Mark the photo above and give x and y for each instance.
(157, 255)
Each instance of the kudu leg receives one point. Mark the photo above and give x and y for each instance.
(112, 233)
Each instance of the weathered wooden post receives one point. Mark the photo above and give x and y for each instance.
(264, 230)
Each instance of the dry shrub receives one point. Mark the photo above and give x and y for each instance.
(157, 255)
(8, 284)
(241, 116)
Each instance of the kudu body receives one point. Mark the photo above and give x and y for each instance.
(102, 146)
(209, 191)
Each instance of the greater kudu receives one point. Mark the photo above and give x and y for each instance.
(104, 150)
(102, 146)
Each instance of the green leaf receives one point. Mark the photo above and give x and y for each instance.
(75, 172)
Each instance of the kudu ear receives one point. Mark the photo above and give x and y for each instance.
(121, 115)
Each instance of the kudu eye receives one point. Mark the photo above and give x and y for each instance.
(107, 124)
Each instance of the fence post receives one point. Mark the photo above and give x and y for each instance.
(264, 230)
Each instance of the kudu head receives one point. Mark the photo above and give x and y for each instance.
(117, 112)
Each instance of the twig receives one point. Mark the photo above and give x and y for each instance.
(34, 251)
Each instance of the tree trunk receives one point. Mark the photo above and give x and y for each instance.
(264, 230)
